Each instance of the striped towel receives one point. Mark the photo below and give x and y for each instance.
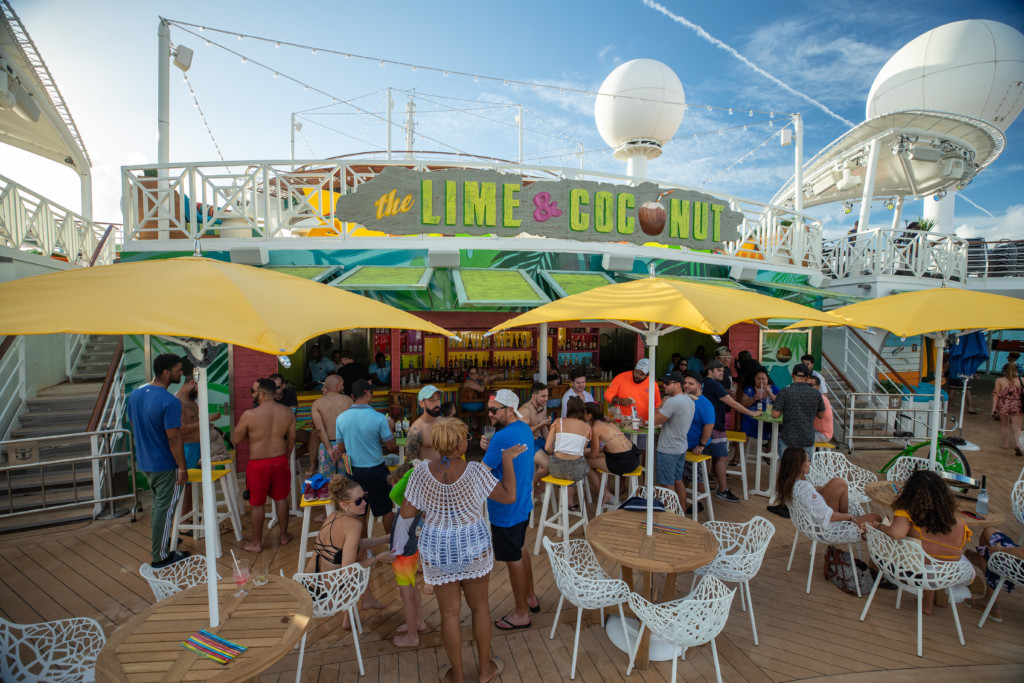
(212, 647)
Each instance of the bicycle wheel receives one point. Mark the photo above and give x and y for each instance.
(952, 459)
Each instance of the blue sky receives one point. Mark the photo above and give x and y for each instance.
(103, 56)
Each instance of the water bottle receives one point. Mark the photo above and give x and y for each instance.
(405, 425)
(981, 506)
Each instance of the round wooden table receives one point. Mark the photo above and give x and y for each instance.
(269, 621)
(620, 535)
(883, 493)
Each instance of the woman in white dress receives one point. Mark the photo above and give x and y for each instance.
(455, 542)
(826, 504)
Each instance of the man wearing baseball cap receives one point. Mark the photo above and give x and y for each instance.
(630, 390)
(798, 405)
(509, 520)
(675, 416)
(724, 356)
(417, 445)
(722, 402)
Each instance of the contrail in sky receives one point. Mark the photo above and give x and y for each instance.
(718, 43)
(967, 199)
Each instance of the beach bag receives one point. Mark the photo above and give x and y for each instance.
(842, 571)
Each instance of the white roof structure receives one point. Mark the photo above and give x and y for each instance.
(33, 114)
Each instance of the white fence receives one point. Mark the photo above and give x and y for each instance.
(895, 252)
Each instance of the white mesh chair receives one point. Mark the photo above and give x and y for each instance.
(741, 548)
(1017, 505)
(906, 564)
(831, 465)
(1009, 568)
(62, 651)
(582, 581)
(694, 620)
(176, 577)
(905, 466)
(667, 497)
(332, 592)
(837, 533)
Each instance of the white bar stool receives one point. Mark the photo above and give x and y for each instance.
(193, 520)
(559, 519)
(696, 496)
(634, 483)
(740, 439)
(307, 509)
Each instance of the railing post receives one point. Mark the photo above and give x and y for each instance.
(97, 484)
(22, 389)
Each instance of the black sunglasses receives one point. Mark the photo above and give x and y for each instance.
(358, 501)
(494, 411)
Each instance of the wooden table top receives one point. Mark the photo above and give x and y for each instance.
(620, 535)
(883, 493)
(269, 622)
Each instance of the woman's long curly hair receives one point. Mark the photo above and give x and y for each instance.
(791, 466)
(927, 499)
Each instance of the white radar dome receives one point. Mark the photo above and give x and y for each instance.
(973, 67)
(639, 108)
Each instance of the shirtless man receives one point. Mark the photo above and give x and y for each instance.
(325, 411)
(187, 394)
(535, 414)
(418, 446)
(270, 429)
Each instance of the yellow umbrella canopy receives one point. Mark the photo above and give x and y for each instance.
(192, 297)
(697, 306)
(932, 310)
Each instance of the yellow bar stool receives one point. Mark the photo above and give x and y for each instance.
(559, 519)
(700, 461)
(193, 520)
(823, 446)
(232, 479)
(634, 483)
(307, 507)
(740, 439)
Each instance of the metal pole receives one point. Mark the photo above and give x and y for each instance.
(519, 123)
(652, 344)
(940, 348)
(87, 198)
(209, 497)
(869, 184)
(542, 353)
(390, 104)
(163, 121)
(292, 132)
(798, 197)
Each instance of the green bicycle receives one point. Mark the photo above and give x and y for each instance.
(947, 456)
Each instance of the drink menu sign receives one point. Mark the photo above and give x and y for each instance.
(400, 201)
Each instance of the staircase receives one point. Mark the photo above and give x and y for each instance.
(94, 359)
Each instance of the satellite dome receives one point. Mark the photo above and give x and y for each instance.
(639, 108)
(973, 67)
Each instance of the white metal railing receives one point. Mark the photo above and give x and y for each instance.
(111, 418)
(895, 252)
(108, 445)
(74, 344)
(1004, 258)
(283, 199)
(886, 414)
(30, 221)
(13, 385)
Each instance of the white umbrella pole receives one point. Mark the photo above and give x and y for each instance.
(652, 344)
(940, 348)
(209, 499)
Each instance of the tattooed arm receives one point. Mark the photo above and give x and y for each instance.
(413, 444)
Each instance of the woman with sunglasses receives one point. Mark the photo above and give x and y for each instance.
(455, 541)
(340, 541)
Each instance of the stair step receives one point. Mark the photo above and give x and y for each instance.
(56, 496)
(55, 417)
(90, 375)
(57, 476)
(37, 431)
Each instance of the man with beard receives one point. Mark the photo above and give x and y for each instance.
(318, 367)
(721, 401)
(324, 412)
(631, 390)
(187, 394)
(699, 435)
(418, 445)
(675, 416)
(535, 414)
(508, 521)
(270, 429)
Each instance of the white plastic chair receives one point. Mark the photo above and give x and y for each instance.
(694, 620)
(1017, 505)
(176, 577)
(61, 651)
(906, 465)
(741, 548)
(667, 497)
(831, 465)
(906, 564)
(582, 581)
(1009, 568)
(336, 591)
(837, 533)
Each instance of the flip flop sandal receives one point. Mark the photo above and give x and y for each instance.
(509, 626)
(535, 610)
(500, 665)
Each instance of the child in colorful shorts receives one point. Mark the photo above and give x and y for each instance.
(405, 536)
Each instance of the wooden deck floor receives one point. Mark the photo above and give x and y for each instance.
(92, 570)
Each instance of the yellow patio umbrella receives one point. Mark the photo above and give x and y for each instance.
(194, 302)
(655, 306)
(934, 313)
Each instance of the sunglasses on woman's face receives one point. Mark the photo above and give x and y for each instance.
(358, 501)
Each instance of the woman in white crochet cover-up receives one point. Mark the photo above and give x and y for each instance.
(455, 543)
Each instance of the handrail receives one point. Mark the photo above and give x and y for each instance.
(7, 343)
(108, 382)
(99, 246)
(837, 371)
(895, 375)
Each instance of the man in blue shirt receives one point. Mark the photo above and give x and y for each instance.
(155, 415)
(319, 367)
(722, 402)
(699, 435)
(509, 521)
(360, 431)
(380, 370)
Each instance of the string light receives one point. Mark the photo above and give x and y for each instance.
(206, 124)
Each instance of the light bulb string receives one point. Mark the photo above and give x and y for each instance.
(764, 143)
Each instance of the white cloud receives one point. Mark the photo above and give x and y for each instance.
(1006, 226)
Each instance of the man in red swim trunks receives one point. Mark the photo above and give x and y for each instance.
(270, 429)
